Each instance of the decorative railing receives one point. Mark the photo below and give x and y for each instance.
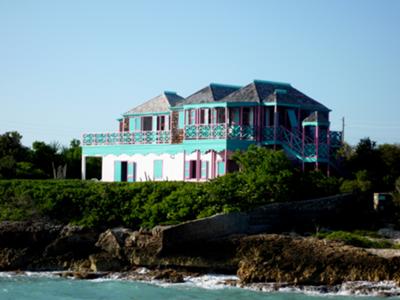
(219, 131)
(127, 138)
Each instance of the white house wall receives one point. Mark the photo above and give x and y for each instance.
(172, 170)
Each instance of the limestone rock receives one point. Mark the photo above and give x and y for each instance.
(112, 241)
(101, 262)
(77, 240)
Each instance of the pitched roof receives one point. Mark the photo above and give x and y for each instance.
(211, 93)
(316, 117)
(270, 91)
(161, 103)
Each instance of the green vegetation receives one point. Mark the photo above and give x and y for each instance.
(361, 239)
(270, 178)
(43, 161)
(265, 176)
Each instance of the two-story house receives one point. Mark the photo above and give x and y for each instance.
(174, 138)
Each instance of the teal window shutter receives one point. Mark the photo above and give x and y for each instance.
(167, 122)
(181, 120)
(204, 169)
(236, 115)
(117, 170)
(292, 118)
(158, 169)
(131, 172)
(221, 168)
(138, 123)
(187, 169)
(132, 124)
(154, 128)
(192, 116)
(214, 116)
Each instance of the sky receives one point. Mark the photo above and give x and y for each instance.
(70, 67)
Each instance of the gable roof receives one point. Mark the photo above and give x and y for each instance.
(161, 103)
(211, 93)
(316, 117)
(270, 91)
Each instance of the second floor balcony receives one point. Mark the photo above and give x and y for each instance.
(127, 138)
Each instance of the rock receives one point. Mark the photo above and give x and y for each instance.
(77, 240)
(13, 259)
(27, 234)
(275, 258)
(169, 275)
(112, 241)
(101, 262)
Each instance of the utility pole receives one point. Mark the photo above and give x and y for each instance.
(342, 130)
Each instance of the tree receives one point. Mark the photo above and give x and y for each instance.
(11, 152)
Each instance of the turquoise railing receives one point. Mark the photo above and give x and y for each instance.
(219, 131)
(126, 138)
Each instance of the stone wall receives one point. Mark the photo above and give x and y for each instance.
(338, 212)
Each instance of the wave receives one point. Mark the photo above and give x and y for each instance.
(217, 281)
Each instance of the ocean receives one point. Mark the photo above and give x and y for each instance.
(46, 286)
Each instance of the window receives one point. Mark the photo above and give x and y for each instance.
(161, 123)
(191, 169)
(234, 116)
(246, 116)
(120, 171)
(147, 123)
(220, 115)
(205, 116)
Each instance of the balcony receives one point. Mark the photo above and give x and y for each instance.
(127, 138)
(220, 131)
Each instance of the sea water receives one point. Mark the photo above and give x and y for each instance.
(43, 286)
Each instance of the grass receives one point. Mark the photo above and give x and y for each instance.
(362, 239)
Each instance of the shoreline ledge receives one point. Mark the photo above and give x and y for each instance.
(262, 258)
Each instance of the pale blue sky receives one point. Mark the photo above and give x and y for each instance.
(68, 67)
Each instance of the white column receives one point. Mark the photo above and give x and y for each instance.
(83, 167)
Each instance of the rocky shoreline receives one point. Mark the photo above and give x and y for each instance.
(257, 260)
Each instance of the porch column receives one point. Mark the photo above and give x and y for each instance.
(198, 166)
(83, 167)
(213, 163)
(184, 165)
(275, 124)
(226, 122)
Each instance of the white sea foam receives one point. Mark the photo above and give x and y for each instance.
(216, 281)
(353, 288)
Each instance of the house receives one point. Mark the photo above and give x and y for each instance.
(171, 137)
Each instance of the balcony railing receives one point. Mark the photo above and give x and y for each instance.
(219, 131)
(126, 138)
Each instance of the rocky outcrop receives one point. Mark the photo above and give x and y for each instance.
(299, 260)
(256, 259)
